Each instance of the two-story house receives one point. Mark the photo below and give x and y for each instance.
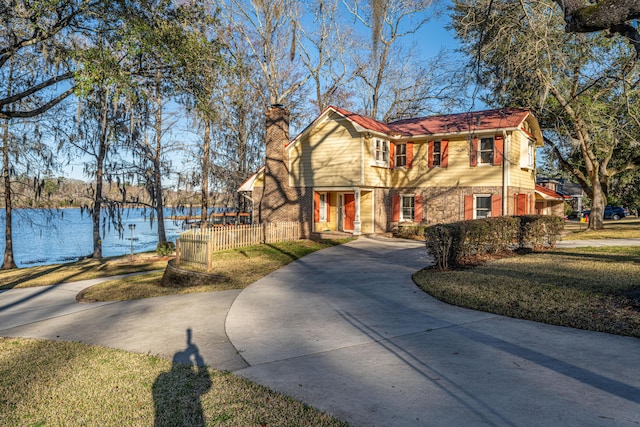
(347, 172)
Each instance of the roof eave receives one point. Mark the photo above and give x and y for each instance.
(449, 134)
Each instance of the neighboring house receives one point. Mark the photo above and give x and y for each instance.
(573, 192)
(549, 202)
(347, 172)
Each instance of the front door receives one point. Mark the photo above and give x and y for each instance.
(349, 211)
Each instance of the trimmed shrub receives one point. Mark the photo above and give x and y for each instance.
(448, 243)
(539, 231)
(444, 242)
(410, 231)
(165, 248)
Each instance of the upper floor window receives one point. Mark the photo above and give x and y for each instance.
(531, 154)
(437, 153)
(485, 152)
(401, 156)
(381, 152)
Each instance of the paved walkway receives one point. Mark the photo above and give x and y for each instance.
(152, 326)
(346, 331)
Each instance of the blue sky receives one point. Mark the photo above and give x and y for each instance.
(431, 39)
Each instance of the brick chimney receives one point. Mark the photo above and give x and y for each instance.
(279, 202)
(275, 197)
(277, 137)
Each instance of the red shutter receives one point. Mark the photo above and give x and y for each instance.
(521, 204)
(392, 153)
(498, 150)
(430, 154)
(444, 154)
(409, 152)
(496, 205)
(417, 208)
(395, 208)
(316, 206)
(468, 207)
(473, 153)
(328, 200)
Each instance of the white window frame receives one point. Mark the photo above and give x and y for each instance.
(527, 151)
(412, 197)
(480, 151)
(531, 154)
(381, 152)
(438, 153)
(399, 155)
(475, 205)
(323, 207)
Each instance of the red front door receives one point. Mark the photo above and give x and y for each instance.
(349, 211)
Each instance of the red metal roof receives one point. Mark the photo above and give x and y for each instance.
(365, 122)
(502, 118)
(464, 122)
(450, 123)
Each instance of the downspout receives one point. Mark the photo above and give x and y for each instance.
(506, 156)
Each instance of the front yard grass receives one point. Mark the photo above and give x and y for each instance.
(52, 383)
(84, 269)
(596, 289)
(240, 267)
(627, 228)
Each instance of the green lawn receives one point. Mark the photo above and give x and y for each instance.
(51, 383)
(627, 228)
(239, 267)
(588, 288)
(80, 270)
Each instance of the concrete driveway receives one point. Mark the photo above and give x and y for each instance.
(346, 330)
(155, 326)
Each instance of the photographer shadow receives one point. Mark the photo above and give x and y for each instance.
(176, 393)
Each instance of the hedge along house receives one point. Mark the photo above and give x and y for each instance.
(347, 172)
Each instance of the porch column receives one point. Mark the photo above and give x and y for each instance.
(357, 224)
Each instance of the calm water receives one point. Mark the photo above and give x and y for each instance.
(48, 237)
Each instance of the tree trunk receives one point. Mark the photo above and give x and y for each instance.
(205, 173)
(102, 153)
(8, 262)
(157, 172)
(596, 216)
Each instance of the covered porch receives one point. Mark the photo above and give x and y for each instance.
(345, 210)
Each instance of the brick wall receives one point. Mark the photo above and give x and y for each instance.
(446, 204)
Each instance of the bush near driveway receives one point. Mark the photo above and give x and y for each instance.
(450, 243)
(587, 288)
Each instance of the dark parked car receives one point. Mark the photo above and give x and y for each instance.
(611, 212)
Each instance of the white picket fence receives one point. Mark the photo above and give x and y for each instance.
(197, 246)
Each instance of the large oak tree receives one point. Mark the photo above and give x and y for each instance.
(582, 87)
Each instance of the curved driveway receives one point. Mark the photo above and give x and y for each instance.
(346, 331)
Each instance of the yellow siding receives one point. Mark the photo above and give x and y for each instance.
(330, 156)
(259, 182)
(518, 176)
(366, 211)
(326, 157)
(458, 173)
